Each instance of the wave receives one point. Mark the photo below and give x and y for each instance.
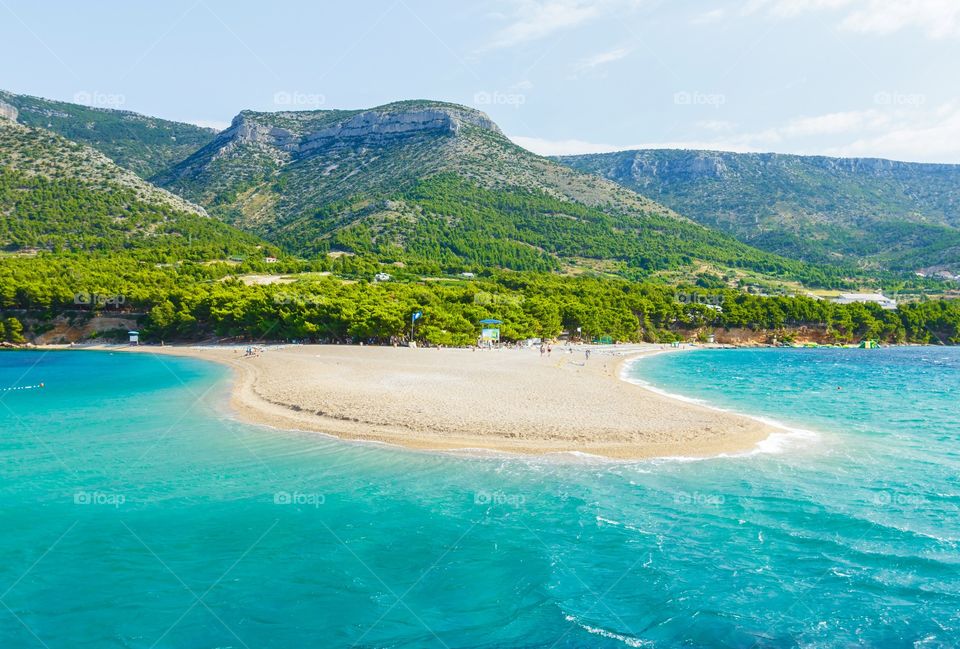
(786, 438)
(625, 639)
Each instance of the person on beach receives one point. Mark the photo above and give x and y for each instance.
(587, 354)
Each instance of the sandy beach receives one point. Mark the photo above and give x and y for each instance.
(501, 400)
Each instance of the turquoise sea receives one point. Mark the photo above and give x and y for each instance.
(136, 513)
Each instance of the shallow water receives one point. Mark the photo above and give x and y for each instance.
(137, 513)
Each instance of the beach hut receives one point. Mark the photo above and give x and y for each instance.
(134, 337)
(490, 333)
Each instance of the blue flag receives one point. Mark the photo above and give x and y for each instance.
(416, 316)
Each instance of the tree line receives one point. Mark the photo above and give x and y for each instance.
(191, 301)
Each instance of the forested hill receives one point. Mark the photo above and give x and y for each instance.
(144, 145)
(439, 185)
(877, 213)
(61, 195)
(421, 181)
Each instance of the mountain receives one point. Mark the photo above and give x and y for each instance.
(438, 183)
(876, 213)
(62, 195)
(144, 145)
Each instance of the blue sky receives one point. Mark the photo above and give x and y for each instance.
(834, 77)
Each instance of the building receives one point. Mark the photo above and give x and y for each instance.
(867, 298)
(382, 277)
(134, 337)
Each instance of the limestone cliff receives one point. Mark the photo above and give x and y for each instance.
(8, 111)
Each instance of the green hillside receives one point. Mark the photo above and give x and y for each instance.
(144, 145)
(874, 213)
(61, 195)
(420, 191)
(433, 182)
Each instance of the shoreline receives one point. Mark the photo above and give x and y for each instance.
(783, 434)
(434, 400)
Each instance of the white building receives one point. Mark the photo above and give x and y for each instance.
(382, 277)
(866, 298)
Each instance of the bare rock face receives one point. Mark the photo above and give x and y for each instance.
(8, 111)
(369, 127)
(374, 127)
(245, 131)
(693, 164)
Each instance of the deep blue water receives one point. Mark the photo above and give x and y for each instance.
(136, 513)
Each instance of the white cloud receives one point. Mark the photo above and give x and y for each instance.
(547, 147)
(936, 18)
(716, 125)
(597, 60)
(210, 123)
(536, 19)
(709, 17)
(542, 146)
(933, 136)
(896, 132)
(533, 20)
(790, 8)
(832, 124)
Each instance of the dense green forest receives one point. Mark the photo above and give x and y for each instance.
(453, 222)
(191, 301)
(67, 214)
(467, 225)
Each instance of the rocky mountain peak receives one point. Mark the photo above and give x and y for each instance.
(301, 132)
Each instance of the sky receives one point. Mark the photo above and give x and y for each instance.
(875, 78)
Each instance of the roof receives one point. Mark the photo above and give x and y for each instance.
(864, 296)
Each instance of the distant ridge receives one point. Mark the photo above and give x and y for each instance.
(142, 144)
(874, 212)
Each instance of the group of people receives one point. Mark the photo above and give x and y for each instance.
(547, 350)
